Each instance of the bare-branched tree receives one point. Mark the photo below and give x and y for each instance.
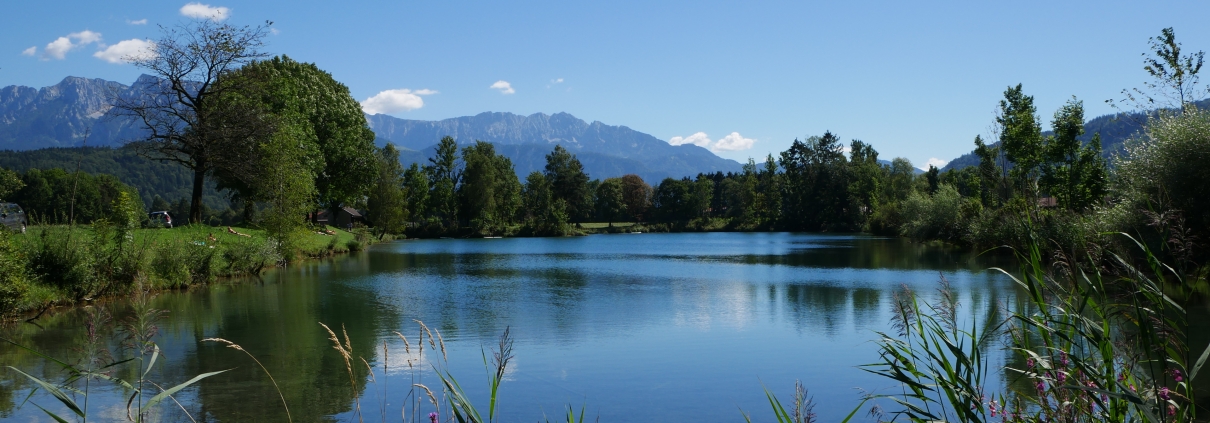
(183, 112)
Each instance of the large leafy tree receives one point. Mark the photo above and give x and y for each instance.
(611, 200)
(816, 185)
(1020, 135)
(568, 182)
(1074, 173)
(867, 177)
(543, 214)
(346, 163)
(636, 195)
(387, 204)
(444, 174)
(415, 192)
(490, 192)
(178, 110)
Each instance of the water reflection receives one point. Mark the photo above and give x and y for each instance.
(667, 326)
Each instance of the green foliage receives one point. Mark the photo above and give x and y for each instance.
(345, 160)
(1020, 135)
(672, 202)
(443, 175)
(935, 216)
(569, 183)
(1175, 75)
(490, 193)
(610, 200)
(10, 182)
(636, 196)
(180, 263)
(817, 177)
(543, 214)
(415, 193)
(1073, 173)
(15, 279)
(387, 205)
(55, 196)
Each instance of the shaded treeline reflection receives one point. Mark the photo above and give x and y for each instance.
(566, 299)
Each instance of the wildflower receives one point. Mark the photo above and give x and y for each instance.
(1061, 377)
(1029, 363)
(1176, 375)
(1063, 358)
(1171, 410)
(1041, 386)
(433, 417)
(1164, 393)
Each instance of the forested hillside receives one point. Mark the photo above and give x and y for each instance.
(170, 181)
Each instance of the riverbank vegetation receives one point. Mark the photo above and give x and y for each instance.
(1102, 333)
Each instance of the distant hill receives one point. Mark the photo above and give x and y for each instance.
(171, 181)
(62, 115)
(606, 150)
(1115, 130)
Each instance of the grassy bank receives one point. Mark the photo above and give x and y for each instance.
(53, 265)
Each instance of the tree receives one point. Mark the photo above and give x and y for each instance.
(387, 205)
(1074, 173)
(701, 194)
(10, 182)
(543, 214)
(443, 174)
(671, 200)
(182, 125)
(415, 192)
(768, 205)
(610, 200)
(990, 174)
(489, 193)
(636, 195)
(341, 145)
(568, 182)
(1020, 135)
(867, 177)
(817, 185)
(934, 177)
(1175, 75)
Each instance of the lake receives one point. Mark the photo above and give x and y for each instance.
(632, 327)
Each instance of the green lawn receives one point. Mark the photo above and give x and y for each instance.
(601, 225)
(315, 244)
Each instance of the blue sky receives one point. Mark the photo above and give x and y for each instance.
(915, 79)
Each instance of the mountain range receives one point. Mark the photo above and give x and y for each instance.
(76, 109)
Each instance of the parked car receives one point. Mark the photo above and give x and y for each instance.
(159, 219)
(13, 217)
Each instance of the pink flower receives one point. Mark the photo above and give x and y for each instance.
(1176, 374)
(433, 417)
(1164, 393)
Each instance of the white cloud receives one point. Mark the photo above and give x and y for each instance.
(58, 48)
(30, 51)
(933, 161)
(205, 11)
(138, 22)
(127, 49)
(86, 37)
(392, 101)
(699, 139)
(557, 81)
(733, 142)
(274, 31)
(503, 86)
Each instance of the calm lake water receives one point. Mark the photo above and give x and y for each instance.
(634, 327)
